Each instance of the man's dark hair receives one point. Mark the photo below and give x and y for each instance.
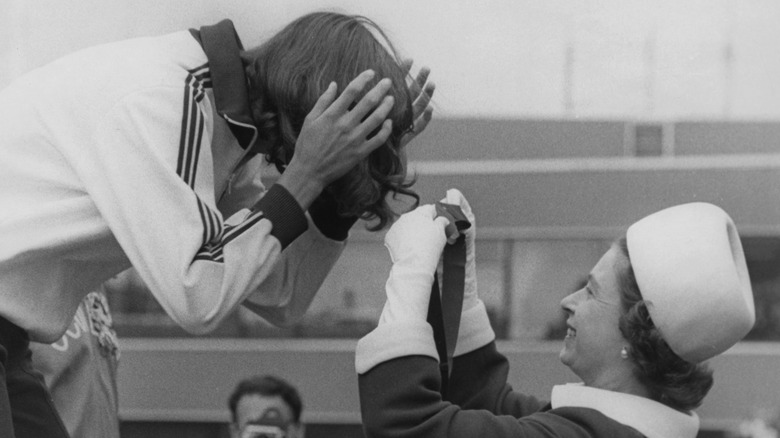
(267, 386)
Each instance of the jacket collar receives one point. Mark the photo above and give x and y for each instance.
(650, 418)
(222, 46)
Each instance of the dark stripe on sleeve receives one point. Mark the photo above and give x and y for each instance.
(192, 124)
(196, 148)
(183, 136)
(190, 143)
(215, 234)
(215, 252)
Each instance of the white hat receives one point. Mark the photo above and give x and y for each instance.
(691, 270)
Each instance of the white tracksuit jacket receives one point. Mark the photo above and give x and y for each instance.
(118, 155)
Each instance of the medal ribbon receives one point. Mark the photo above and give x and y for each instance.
(445, 306)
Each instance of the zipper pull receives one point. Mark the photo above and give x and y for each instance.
(230, 183)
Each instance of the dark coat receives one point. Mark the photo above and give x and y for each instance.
(400, 398)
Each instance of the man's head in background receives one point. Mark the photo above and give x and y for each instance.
(265, 406)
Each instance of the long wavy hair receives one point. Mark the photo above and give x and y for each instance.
(670, 379)
(289, 72)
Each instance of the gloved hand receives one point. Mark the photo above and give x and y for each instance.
(470, 298)
(415, 242)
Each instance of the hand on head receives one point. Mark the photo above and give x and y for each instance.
(340, 132)
(422, 92)
(347, 139)
(335, 138)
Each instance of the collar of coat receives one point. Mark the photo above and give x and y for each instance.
(652, 419)
(222, 47)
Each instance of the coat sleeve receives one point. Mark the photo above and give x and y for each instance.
(400, 398)
(286, 294)
(148, 171)
(479, 372)
(400, 387)
(479, 381)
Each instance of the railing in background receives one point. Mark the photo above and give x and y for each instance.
(550, 196)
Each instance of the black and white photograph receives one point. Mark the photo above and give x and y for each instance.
(368, 218)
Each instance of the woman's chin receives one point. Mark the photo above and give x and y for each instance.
(567, 351)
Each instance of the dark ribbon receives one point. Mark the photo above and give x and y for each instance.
(445, 306)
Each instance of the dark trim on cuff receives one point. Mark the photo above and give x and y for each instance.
(284, 212)
(324, 214)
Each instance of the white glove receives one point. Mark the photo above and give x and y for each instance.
(415, 242)
(470, 298)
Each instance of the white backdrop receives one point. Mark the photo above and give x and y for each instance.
(660, 60)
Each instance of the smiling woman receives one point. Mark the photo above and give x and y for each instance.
(671, 294)
(593, 341)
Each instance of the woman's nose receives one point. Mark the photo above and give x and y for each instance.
(567, 303)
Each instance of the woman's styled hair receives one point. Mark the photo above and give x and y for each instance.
(290, 71)
(670, 379)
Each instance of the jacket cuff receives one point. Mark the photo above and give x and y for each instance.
(475, 331)
(324, 214)
(281, 208)
(394, 340)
